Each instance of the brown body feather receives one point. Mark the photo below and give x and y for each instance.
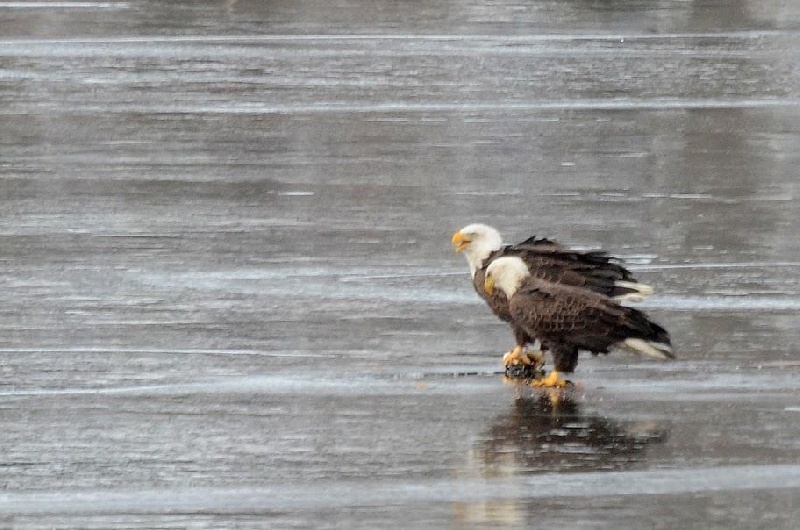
(568, 319)
(550, 261)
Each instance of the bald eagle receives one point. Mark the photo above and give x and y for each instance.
(568, 319)
(546, 260)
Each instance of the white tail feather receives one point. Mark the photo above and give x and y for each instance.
(649, 349)
(642, 291)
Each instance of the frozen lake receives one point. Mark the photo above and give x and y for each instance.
(228, 295)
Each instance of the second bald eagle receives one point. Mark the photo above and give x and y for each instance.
(567, 319)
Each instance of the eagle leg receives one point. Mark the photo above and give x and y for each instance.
(537, 357)
(551, 381)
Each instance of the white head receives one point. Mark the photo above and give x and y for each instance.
(506, 273)
(477, 241)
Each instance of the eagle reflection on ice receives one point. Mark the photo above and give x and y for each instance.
(549, 433)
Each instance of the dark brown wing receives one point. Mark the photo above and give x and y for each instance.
(539, 244)
(553, 312)
(542, 251)
(551, 261)
(561, 315)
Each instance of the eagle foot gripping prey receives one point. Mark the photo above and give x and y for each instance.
(522, 364)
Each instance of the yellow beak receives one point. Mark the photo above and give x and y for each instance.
(460, 241)
(488, 285)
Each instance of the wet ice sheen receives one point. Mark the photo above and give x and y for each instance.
(343, 495)
(228, 297)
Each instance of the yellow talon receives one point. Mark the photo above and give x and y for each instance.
(551, 381)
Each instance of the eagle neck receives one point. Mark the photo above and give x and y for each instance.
(478, 256)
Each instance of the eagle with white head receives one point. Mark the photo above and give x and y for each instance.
(545, 259)
(567, 319)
